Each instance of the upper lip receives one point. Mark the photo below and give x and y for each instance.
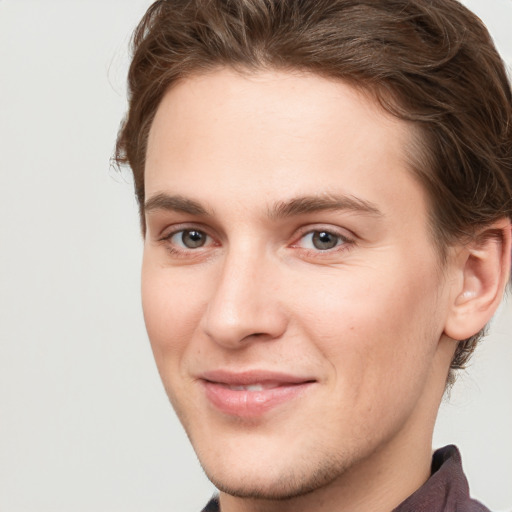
(251, 377)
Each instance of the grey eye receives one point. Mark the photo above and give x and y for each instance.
(323, 240)
(192, 239)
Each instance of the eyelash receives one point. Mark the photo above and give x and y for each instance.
(183, 252)
(344, 242)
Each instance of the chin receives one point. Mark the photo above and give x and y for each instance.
(284, 487)
(272, 481)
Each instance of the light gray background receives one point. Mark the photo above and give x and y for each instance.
(84, 422)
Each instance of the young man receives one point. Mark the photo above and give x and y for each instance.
(325, 194)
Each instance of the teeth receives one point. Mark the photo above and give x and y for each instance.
(253, 387)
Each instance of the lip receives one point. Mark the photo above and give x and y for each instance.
(276, 389)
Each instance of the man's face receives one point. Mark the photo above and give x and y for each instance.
(291, 289)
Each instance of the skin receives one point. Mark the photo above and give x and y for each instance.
(365, 320)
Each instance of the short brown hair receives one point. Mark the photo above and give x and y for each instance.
(431, 62)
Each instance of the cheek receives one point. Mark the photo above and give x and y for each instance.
(379, 345)
(367, 324)
(172, 312)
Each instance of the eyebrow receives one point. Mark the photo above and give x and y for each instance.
(297, 206)
(311, 204)
(176, 204)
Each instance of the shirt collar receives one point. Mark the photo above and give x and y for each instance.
(447, 488)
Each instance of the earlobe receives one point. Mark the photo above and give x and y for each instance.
(484, 267)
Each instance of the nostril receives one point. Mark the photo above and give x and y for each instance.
(256, 335)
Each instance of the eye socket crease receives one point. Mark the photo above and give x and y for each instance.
(280, 210)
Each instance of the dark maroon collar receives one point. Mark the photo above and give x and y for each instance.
(445, 491)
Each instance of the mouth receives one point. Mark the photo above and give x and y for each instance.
(252, 394)
(252, 387)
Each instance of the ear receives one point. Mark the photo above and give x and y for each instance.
(483, 269)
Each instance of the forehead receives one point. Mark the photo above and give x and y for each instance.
(275, 135)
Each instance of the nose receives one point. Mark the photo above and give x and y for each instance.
(245, 304)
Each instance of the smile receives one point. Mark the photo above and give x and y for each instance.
(252, 394)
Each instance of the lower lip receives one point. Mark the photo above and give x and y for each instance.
(251, 404)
